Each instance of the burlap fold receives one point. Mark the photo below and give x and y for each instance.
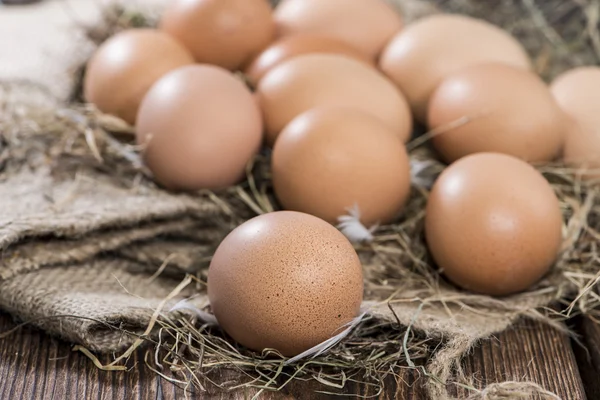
(102, 303)
(86, 248)
(79, 248)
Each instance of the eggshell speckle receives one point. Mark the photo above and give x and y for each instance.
(508, 110)
(124, 68)
(318, 80)
(227, 33)
(285, 280)
(199, 127)
(296, 45)
(578, 94)
(493, 224)
(365, 24)
(330, 160)
(419, 57)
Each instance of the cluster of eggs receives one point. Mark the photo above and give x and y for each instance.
(332, 87)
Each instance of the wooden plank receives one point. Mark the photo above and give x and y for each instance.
(531, 352)
(587, 353)
(34, 366)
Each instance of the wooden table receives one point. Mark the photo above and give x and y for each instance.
(36, 366)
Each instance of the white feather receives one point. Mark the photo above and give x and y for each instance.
(203, 315)
(328, 344)
(353, 229)
(418, 175)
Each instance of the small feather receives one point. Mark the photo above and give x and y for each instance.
(353, 229)
(329, 343)
(419, 175)
(203, 315)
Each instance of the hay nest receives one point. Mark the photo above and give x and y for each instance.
(415, 318)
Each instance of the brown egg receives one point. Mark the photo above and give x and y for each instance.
(292, 46)
(285, 280)
(329, 160)
(493, 224)
(425, 52)
(316, 80)
(578, 94)
(126, 66)
(509, 110)
(199, 126)
(582, 151)
(364, 24)
(227, 33)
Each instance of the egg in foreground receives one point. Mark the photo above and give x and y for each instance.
(199, 126)
(493, 224)
(504, 109)
(227, 33)
(123, 69)
(578, 94)
(293, 46)
(365, 24)
(286, 281)
(322, 80)
(419, 57)
(330, 160)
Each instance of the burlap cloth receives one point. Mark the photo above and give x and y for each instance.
(86, 248)
(78, 252)
(81, 247)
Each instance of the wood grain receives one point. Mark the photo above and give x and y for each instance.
(528, 352)
(35, 366)
(587, 352)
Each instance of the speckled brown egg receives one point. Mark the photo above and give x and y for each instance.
(498, 108)
(227, 33)
(419, 57)
(125, 67)
(365, 24)
(286, 281)
(199, 126)
(493, 224)
(330, 160)
(292, 46)
(578, 94)
(321, 80)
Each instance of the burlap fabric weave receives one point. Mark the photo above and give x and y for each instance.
(81, 244)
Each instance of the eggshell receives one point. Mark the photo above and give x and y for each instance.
(493, 224)
(419, 57)
(124, 68)
(509, 110)
(329, 160)
(285, 280)
(578, 94)
(365, 24)
(227, 33)
(296, 45)
(315, 80)
(199, 126)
